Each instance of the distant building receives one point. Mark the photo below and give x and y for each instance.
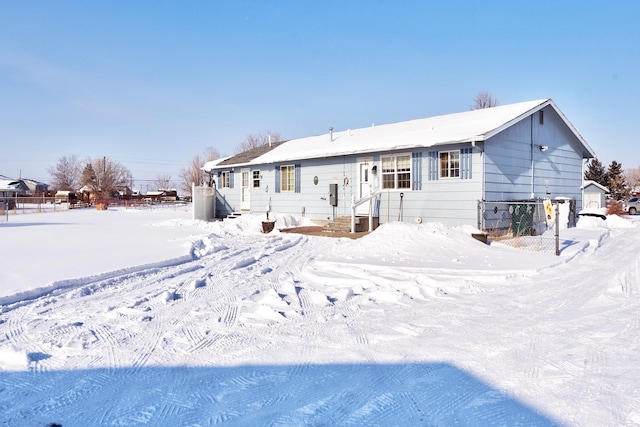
(36, 188)
(13, 188)
(29, 187)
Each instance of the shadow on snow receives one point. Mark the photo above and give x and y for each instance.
(411, 394)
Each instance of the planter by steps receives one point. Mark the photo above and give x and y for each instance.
(267, 226)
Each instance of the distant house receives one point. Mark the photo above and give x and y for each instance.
(36, 188)
(12, 188)
(26, 187)
(594, 195)
(432, 169)
(9, 190)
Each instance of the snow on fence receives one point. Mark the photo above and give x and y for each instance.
(526, 224)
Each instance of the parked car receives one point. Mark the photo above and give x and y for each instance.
(632, 206)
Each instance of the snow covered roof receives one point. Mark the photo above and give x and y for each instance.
(595, 184)
(208, 166)
(11, 185)
(469, 126)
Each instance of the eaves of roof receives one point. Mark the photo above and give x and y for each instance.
(595, 184)
(469, 127)
(246, 157)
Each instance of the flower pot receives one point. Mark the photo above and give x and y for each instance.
(267, 226)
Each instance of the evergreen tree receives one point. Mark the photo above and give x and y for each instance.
(616, 182)
(595, 172)
(89, 178)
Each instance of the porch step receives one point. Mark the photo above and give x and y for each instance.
(234, 215)
(343, 224)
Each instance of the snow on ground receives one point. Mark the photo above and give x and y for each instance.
(130, 317)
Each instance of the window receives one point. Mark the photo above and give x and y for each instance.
(287, 178)
(396, 171)
(541, 117)
(224, 180)
(450, 164)
(256, 179)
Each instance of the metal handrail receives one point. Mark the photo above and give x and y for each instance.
(355, 203)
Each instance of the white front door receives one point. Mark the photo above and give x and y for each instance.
(365, 185)
(245, 196)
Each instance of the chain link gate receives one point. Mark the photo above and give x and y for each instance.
(523, 224)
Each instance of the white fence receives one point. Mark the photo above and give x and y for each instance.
(204, 202)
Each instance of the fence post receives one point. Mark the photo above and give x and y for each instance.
(557, 229)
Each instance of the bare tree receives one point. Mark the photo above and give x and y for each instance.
(65, 175)
(104, 177)
(261, 138)
(484, 100)
(632, 178)
(194, 173)
(163, 181)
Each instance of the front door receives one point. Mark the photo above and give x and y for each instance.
(365, 182)
(245, 196)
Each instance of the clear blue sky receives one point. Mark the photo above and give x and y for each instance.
(153, 83)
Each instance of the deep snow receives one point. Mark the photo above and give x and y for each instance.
(130, 317)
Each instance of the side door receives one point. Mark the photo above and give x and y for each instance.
(365, 182)
(245, 188)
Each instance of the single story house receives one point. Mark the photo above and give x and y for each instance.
(36, 188)
(12, 188)
(431, 169)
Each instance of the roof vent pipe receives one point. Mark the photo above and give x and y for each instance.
(269, 140)
(330, 134)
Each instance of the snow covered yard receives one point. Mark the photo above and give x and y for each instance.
(148, 318)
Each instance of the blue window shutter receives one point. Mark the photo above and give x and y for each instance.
(297, 178)
(416, 170)
(432, 165)
(277, 190)
(465, 163)
(231, 174)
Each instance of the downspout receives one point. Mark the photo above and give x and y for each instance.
(532, 162)
(474, 144)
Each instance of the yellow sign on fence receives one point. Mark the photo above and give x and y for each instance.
(548, 210)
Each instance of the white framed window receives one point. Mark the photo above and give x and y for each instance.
(396, 171)
(224, 179)
(287, 178)
(450, 164)
(256, 179)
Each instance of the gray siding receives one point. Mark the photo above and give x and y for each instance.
(517, 169)
(507, 166)
(450, 201)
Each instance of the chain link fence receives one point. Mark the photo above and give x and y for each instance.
(26, 205)
(526, 224)
(4, 210)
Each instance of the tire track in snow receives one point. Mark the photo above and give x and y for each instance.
(19, 335)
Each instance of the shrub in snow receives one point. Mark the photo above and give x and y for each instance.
(614, 207)
(198, 283)
(170, 295)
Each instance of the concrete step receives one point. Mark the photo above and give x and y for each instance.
(343, 224)
(234, 215)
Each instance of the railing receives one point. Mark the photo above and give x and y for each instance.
(355, 203)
